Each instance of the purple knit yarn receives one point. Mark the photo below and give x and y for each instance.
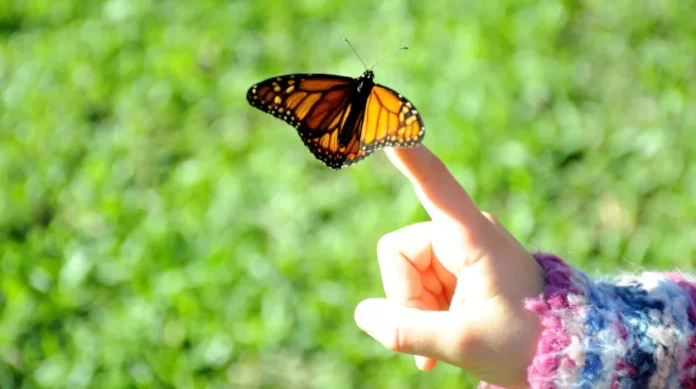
(688, 364)
(624, 331)
(553, 339)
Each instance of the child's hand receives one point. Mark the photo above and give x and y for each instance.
(455, 285)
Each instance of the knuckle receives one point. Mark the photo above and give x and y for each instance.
(398, 339)
(464, 341)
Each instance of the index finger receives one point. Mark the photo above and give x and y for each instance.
(439, 193)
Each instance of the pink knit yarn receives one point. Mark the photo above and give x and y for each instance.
(553, 339)
(620, 331)
(689, 362)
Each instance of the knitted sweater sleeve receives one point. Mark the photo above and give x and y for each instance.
(626, 331)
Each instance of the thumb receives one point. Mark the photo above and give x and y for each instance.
(408, 330)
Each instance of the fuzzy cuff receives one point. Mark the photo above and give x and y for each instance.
(627, 331)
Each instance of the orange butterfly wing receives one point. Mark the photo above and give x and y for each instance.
(390, 121)
(320, 105)
(317, 105)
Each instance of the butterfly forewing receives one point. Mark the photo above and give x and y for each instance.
(300, 99)
(390, 121)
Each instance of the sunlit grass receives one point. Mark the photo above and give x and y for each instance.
(156, 231)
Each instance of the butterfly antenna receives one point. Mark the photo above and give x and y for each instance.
(356, 53)
(389, 55)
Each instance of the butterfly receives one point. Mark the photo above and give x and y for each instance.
(341, 120)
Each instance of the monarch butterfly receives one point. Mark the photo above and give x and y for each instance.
(340, 119)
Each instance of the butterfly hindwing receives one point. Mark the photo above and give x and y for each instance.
(327, 148)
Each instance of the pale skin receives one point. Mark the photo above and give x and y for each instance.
(455, 285)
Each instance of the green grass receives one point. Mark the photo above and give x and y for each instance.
(156, 231)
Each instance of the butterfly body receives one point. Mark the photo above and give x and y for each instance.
(340, 119)
(359, 98)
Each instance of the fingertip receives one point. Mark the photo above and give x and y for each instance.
(439, 192)
(377, 318)
(409, 159)
(365, 313)
(404, 151)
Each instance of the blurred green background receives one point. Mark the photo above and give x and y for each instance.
(156, 231)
